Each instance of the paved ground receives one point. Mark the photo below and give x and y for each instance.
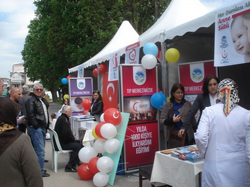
(64, 179)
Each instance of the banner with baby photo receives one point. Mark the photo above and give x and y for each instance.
(232, 36)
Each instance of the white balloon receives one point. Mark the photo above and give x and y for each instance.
(105, 164)
(86, 154)
(148, 61)
(112, 145)
(102, 118)
(100, 179)
(108, 131)
(99, 145)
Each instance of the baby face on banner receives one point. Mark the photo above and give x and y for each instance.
(239, 36)
(246, 21)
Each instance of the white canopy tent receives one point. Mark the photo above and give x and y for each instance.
(125, 36)
(180, 17)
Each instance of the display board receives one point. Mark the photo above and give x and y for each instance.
(192, 75)
(79, 90)
(142, 136)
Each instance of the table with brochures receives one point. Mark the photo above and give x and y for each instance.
(173, 171)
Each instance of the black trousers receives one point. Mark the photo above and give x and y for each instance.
(75, 146)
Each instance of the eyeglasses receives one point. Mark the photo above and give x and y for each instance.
(96, 91)
(214, 84)
(39, 90)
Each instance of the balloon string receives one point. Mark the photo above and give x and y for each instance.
(130, 129)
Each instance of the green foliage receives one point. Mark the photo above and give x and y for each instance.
(66, 33)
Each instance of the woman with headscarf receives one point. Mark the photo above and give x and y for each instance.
(221, 139)
(18, 161)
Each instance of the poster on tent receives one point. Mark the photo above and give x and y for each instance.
(192, 75)
(79, 90)
(114, 63)
(137, 86)
(132, 53)
(232, 35)
(110, 93)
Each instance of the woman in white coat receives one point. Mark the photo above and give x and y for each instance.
(221, 139)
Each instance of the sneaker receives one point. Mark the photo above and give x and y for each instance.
(45, 175)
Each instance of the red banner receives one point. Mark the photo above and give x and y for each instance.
(141, 143)
(110, 93)
(192, 75)
(138, 81)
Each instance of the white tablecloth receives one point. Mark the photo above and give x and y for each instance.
(175, 172)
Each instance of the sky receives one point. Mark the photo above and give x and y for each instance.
(15, 16)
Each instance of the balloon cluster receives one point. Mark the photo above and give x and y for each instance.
(104, 132)
(151, 52)
(65, 80)
(102, 68)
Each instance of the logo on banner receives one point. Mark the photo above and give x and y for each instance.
(223, 42)
(139, 75)
(110, 85)
(139, 106)
(139, 78)
(80, 84)
(197, 75)
(136, 107)
(132, 55)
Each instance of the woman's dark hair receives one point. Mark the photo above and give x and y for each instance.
(100, 97)
(66, 100)
(206, 82)
(175, 87)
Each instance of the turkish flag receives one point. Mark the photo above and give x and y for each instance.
(110, 93)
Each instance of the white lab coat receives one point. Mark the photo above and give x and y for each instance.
(222, 141)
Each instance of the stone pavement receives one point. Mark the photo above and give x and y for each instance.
(68, 179)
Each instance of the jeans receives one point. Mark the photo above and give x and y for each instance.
(38, 141)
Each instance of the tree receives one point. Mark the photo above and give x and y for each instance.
(67, 33)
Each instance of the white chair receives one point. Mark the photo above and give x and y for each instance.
(55, 141)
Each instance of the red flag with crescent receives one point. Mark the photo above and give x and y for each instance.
(110, 93)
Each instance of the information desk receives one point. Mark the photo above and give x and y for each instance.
(175, 172)
(79, 124)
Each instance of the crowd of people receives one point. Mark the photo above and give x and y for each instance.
(222, 133)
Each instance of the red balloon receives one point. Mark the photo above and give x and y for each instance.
(84, 172)
(95, 72)
(86, 104)
(113, 116)
(85, 112)
(92, 165)
(98, 129)
(68, 77)
(102, 68)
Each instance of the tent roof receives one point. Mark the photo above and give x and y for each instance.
(177, 13)
(180, 17)
(125, 36)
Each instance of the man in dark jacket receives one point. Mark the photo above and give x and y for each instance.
(66, 138)
(38, 120)
(26, 95)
